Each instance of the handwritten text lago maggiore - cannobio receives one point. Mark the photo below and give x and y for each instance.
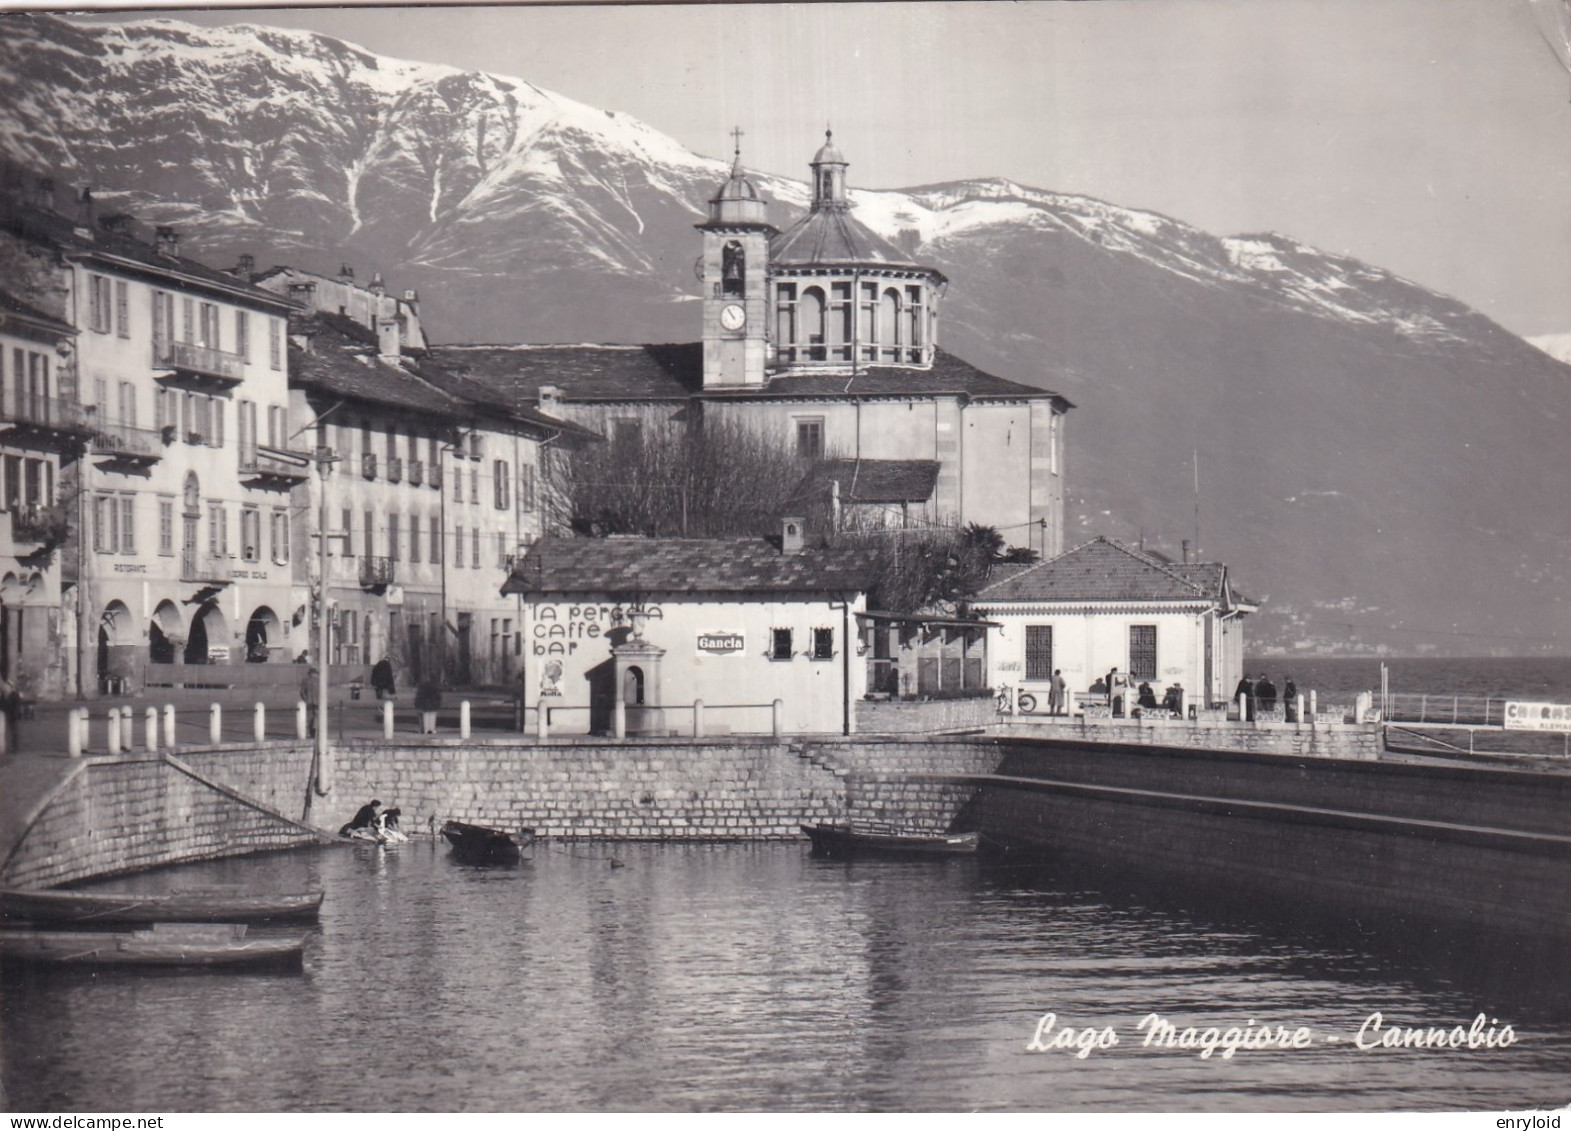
(1156, 1032)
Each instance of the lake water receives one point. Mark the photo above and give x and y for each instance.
(711, 977)
(1536, 678)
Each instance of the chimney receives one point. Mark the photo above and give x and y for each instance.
(791, 535)
(550, 399)
(303, 293)
(167, 240)
(1186, 551)
(389, 338)
(412, 300)
(346, 274)
(246, 269)
(45, 194)
(376, 286)
(84, 206)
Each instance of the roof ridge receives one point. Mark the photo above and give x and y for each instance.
(1146, 559)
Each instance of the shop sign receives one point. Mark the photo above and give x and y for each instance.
(721, 643)
(1537, 716)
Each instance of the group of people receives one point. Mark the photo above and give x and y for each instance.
(1260, 695)
(371, 822)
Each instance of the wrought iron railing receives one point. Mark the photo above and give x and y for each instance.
(253, 462)
(376, 571)
(38, 522)
(202, 360)
(126, 440)
(44, 412)
(368, 464)
(395, 469)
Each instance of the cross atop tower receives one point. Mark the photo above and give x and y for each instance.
(736, 136)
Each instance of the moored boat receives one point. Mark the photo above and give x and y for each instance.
(477, 844)
(844, 840)
(164, 944)
(92, 907)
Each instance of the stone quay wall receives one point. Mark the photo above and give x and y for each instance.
(1321, 739)
(929, 716)
(125, 813)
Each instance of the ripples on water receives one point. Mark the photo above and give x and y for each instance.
(750, 977)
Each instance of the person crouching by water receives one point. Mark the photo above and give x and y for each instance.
(366, 817)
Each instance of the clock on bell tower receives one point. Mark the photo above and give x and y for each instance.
(734, 271)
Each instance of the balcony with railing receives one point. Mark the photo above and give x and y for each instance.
(206, 569)
(277, 469)
(435, 478)
(33, 421)
(201, 367)
(39, 523)
(376, 571)
(416, 473)
(126, 443)
(395, 469)
(368, 465)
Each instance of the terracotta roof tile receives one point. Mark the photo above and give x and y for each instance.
(873, 480)
(1102, 570)
(734, 566)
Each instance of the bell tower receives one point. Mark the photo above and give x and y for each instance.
(734, 272)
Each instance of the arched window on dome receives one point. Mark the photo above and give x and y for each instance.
(811, 325)
(867, 328)
(840, 312)
(889, 326)
(733, 270)
(915, 324)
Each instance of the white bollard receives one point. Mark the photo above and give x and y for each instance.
(542, 720)
(1183, 704)
(73, 732)
(619, 718)
(113, 737)
(302, 725)
(1243, 708)
(463, 719)
(84, 729)
(1312, 711)
(698, 718)
(1298, 711)
(152, 729)
(387, 718)
(777, 717)
(127, 730)
(169, 726)
(215, 724)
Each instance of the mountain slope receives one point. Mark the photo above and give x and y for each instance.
(1370, 452)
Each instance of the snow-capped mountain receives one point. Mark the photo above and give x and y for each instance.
(1557, 346)
(1363, 443)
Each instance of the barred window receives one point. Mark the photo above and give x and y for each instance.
(1039, 651)
(780, 644)
(823, 643)
(1142, 651)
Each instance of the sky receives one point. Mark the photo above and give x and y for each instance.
(1429, 137)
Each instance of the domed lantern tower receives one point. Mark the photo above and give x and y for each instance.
(843, 297)
(734, 269)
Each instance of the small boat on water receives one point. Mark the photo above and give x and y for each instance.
(844, 840)
(196, 905)
(476, 844)
(164, 944)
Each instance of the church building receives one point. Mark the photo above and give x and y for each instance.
(825, 336)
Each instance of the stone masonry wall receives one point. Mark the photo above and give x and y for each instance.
(1322, 740)
(903, 784)
(894, 716)
(638, 790)
(125, 813)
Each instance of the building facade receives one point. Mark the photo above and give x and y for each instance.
(1103, 606)
(825, 337)
(181, 550)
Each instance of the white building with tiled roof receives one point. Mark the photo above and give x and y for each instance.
(825, 336)
(1103, 606)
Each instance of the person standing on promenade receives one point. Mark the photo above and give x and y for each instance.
(308, 696)
(1055, 693)
(1244, 696)
(1289, 699)
(1265, 692)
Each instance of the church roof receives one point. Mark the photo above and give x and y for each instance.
(673, 372)
(873, 480)
(833, 236)
(640, 566)
(1105, 570)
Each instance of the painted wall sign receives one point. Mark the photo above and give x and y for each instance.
(1537, 716)
(722, 643)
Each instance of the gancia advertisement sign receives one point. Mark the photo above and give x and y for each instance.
(721, 643)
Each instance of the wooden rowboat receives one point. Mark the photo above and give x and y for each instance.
(476, 844)
(842, 840)
(165, 944)
(93, 907)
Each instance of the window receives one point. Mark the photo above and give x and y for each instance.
(243, 335)
(785, 321)
(435, 541)
(128, 524)
(914, 322)
(810, 324)
(275, 344)
(203, 431)
(839, 327)
(277, 427)
(166, 527)
(281, 536)
(163, 322)
(217, 531)
(733, 270)
(810, 438)
(780, 644)
(1039, 651)
(500, 484)
(347, 545)
(458, 484)
(1142, 651)
(161, 410)
(474, 544)
(217, 437)
(209, 326)
(13, 482)
(251, 534)
(869, 327)
(128, 404)
(98, 304)
(501, 550)
(526, 488)
(628, 436)
(122, 309)
(370, 534)
(888, 330)
(458, 547)
(474, 446)
(823, 643)
(474, 485)
(187, 320)
(106, 524)
(414, 538)
(392, 537)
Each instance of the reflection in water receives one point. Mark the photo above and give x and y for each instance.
(703, 977)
